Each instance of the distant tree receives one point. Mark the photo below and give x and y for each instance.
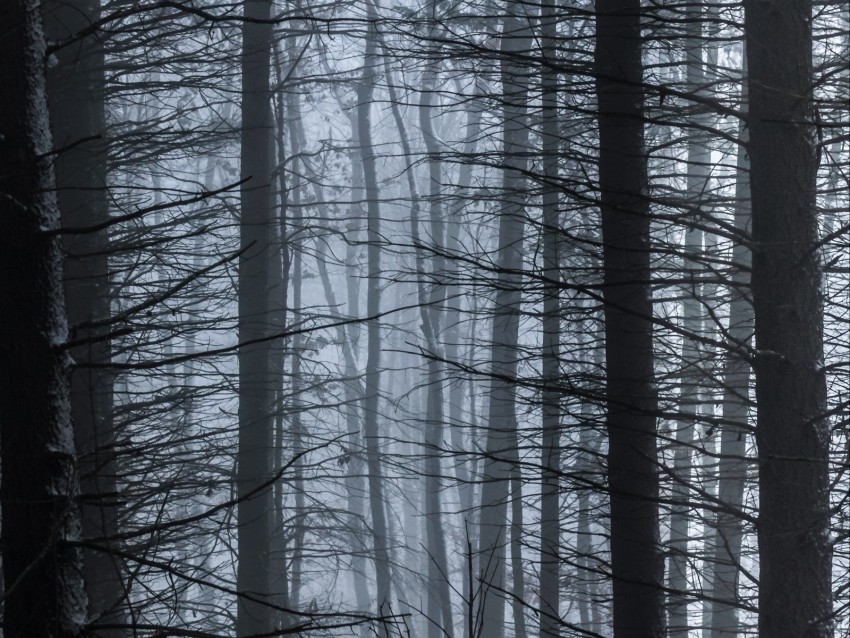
(550, 458)
(727, 538)
(501, 442)
(371, 398)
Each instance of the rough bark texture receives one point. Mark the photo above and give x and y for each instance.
(255, 426)
(636, 563)
(792, 432)
(42, 569)
(77, 113)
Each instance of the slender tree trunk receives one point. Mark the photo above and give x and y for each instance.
(699, 156)
(278, 290)
(732, 466)
(77, 110)
(502, 425)
(354, 389)
(550, 460)
(461, 444)
(281, 578)
(637, 565)
(430, 307)
(518, 600)
(373, 326)
(439, 594)
(255, 423)
(792, 431)
(293, 120)
(44, 592)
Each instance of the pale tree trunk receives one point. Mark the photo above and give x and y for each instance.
(461, 445)
(518, 601)
(637, 565)
(278, 295)
(293, 120)
(501, 441)
(371, 400)
(438, 611)
(732, 466)
(699, 156)
(792, 433)
(432, 309)
(44, 592)
(354, 388)
(588, 594)
(550, 460)
(255, 423)
(77, 111)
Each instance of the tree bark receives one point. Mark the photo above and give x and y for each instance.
(77, 111)
(637, 565)
(44, 592)
(792, 432)
(255, 423)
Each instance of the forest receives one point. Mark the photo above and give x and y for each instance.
(425, 318)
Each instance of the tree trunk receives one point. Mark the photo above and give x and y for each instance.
(44, 592)
(354, 389)
(76, 99)
(255, 423)
(373, 326)
(550, 460)
(293, 120)
(279, 265)
(502, 425)
(637, 565)
(699, 157)
(439, 593)
(792, 432)
(732, 466)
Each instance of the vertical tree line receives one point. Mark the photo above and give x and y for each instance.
(492, 319)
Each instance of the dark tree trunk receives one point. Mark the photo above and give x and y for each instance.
(42, 568)
(637, 565)
(77, 113)
(255, 423)
(792, 432)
